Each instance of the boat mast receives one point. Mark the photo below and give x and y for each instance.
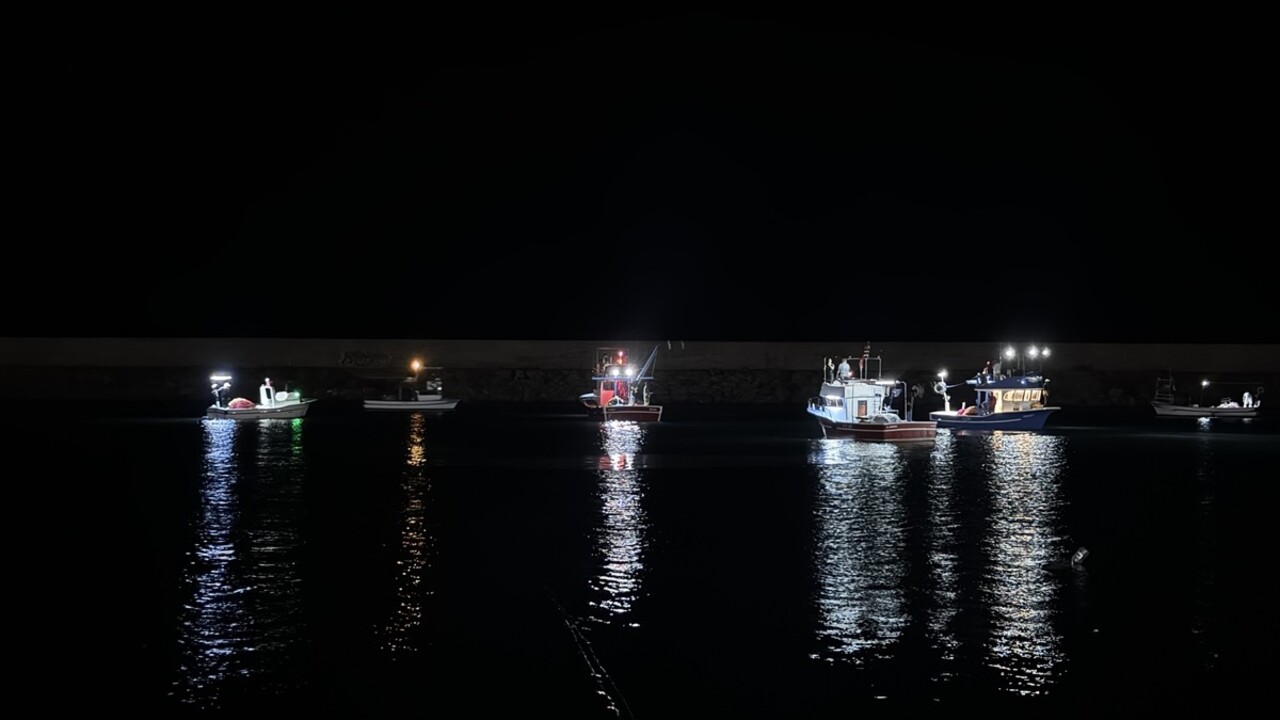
(648, 364)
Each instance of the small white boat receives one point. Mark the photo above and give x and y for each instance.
(410, 394)
(1165, 406)
(418, 401)
(272, 403)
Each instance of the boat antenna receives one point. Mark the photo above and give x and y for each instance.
(648, 364)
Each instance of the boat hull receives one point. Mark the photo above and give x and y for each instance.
(443, 404)
(1016, 420)
(632, 413)
(284, 411)
(900, 431)
(1190, 411)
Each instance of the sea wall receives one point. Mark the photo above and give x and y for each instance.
(157, 369)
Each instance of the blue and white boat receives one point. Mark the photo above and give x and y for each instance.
(1017, 401)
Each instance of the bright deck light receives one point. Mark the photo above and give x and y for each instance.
(1009, 353)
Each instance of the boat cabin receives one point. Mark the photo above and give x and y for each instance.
(1016, 393)
(854, 399)
(617, 379)
(853, 389)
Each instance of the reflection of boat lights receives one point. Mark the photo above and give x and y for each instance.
(944, 547)
(210, 650)
(621, 538)
(859, 549)
(415, 545)
(240, 618)
(1022, 541)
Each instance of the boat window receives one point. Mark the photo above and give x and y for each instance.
(1008, 396)
(862, 408)
(1035, 395)
(1018, 395)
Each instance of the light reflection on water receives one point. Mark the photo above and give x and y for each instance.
(1022, 542)
(943, 539)
(620, 540)
(417, 546)
(860, 547)
(882, 571)
(241, 622)
(1202, 625)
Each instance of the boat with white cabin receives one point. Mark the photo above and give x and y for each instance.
(860, 403)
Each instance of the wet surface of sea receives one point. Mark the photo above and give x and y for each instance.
(728, 563)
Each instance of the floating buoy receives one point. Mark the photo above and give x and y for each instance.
(1079, 556)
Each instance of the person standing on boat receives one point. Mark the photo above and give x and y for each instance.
(844, 373)
(220, 393)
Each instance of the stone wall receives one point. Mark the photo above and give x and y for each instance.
(157, 369)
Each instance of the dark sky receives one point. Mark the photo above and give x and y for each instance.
(694, 176)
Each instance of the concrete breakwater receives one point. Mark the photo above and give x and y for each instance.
(162, 369)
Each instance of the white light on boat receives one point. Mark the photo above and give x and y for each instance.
(630, 371)
(613, 371)
(1009, 353)
(1032, 351)
(1204, 383)
(1045, 352)
(942, 374)
(219, 377)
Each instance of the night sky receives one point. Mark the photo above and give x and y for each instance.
(700, 177)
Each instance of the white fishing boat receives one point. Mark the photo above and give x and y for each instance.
(861, 404)
(1165, 405)
(272, 403)
(414, 394)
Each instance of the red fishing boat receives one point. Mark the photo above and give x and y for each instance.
(621, 389)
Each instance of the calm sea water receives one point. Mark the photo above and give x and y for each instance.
(487, 562)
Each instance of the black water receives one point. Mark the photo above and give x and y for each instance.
(492, 563)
